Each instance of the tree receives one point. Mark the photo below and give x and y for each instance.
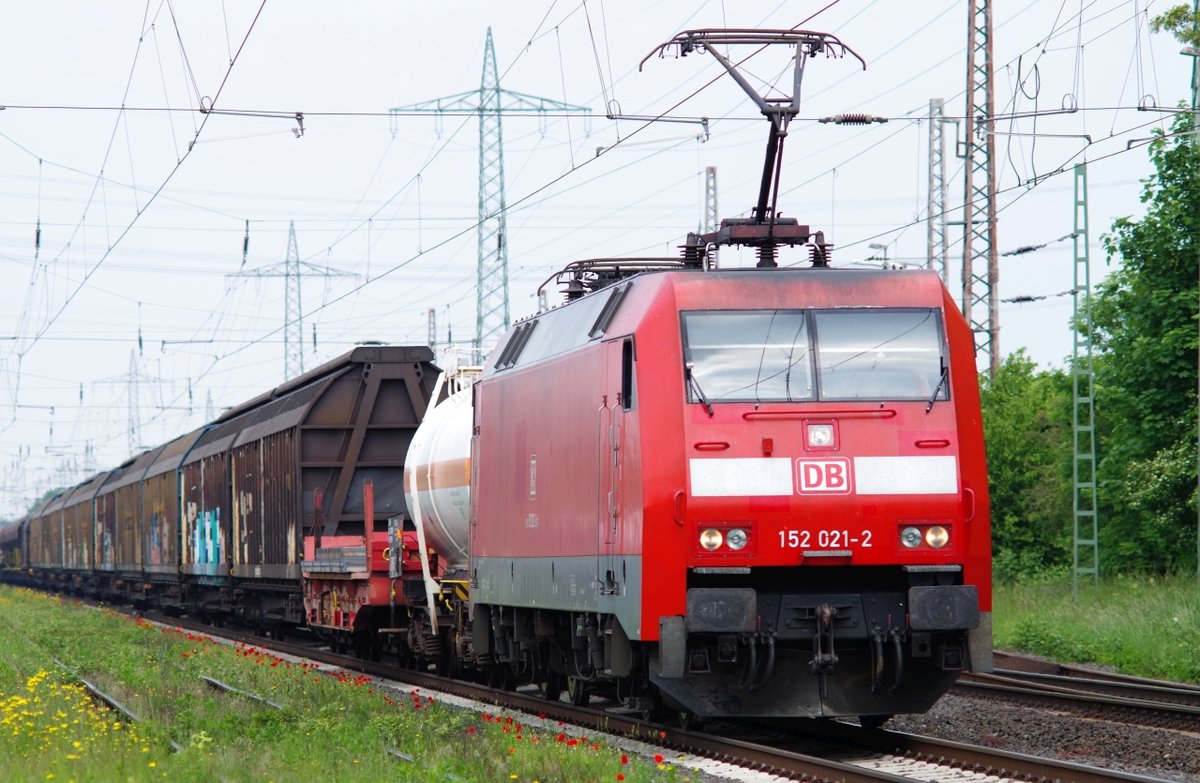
(1144, 319)
(1026, 423)
(1182, 22)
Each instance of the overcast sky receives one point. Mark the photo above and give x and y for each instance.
(143, 212)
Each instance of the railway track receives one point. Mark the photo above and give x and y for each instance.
(1112, 683)
(811, 751)
(1089, 693)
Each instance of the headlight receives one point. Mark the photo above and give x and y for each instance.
(910, 537)
(937, 536)
(710, 538)
(736, 538)
(820, 435)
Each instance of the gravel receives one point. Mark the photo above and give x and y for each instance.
(1170, 755)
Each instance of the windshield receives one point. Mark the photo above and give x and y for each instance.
(758, 355)
(795, 355)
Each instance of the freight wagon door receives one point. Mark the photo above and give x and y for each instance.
(615, 400)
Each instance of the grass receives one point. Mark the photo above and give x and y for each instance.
(1144, 626)
(331, 728)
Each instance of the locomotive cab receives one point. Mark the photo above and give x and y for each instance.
(830, 570)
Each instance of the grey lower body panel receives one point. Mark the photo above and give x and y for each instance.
(980, 645)
(571, 584)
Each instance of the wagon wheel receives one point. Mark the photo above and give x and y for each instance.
(688, 720)
(552, 686)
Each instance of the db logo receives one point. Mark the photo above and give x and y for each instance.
(824, 476)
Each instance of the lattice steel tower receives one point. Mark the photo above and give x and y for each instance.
(981, 272)
(712, 215)
(1086, 532)
(491, 102)
(135, 408)
(291, 270)
(935, 220)
(293, 328)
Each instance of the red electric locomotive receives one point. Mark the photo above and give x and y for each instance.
(754, 492)
(767, 487)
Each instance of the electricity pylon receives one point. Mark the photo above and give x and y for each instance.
(712, 215)
(291, 270)
(981, 270)
(1086, 534)
(491, 102)
(935, 216)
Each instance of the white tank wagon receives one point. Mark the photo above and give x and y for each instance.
(437, 480)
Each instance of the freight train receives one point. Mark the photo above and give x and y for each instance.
(274, 515)
(694, 491)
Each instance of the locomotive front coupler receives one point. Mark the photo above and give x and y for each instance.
(824, 657)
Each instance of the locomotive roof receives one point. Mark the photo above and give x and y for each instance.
(587, 318)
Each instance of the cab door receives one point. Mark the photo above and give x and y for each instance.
(615, 401)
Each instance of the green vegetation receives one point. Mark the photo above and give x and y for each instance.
(1145, 626)
(1144, 332)
(1144, 319)
(1027, 428)
(331, 728)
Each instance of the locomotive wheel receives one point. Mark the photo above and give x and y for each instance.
(577, 692)
(872, 721)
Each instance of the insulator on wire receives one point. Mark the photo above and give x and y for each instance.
(246, 243)
(853, 119)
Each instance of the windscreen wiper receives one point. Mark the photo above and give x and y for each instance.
(937, 389)
(687, 370)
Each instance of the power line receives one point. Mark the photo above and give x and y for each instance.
(153, 196)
